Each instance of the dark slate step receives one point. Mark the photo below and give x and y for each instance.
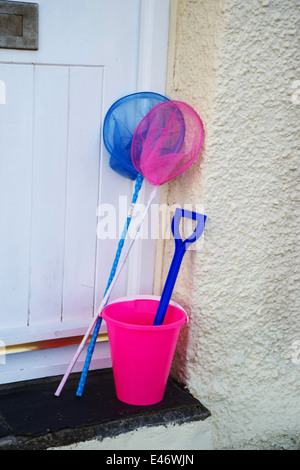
(31, 417)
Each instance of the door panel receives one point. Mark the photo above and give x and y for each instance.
(16, 127)
(49, 169)
(82, 192)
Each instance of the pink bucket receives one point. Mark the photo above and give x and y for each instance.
(141, 353)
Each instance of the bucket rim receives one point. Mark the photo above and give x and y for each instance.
(146, 327)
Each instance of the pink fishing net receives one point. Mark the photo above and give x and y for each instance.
(166, 141)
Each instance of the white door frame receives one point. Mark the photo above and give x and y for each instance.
(152, 75)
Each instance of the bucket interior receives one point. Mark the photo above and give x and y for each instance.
(141, 312)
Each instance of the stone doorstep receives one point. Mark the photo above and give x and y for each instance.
(32, 418)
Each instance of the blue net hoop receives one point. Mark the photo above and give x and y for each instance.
(119, 125)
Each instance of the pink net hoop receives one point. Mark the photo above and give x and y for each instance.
(167, 141)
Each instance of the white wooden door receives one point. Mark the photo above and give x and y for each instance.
(54, 171)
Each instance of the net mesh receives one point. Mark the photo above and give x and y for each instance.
(119, 125)
(166, 141)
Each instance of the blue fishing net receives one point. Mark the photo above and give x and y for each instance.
(119, 125)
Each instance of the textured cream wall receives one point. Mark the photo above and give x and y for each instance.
(187, 436)
(235, 62)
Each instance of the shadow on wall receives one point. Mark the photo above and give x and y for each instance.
(187, 281)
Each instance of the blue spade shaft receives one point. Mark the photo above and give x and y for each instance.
(180, 248)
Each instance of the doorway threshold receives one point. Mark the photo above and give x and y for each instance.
(32, 418)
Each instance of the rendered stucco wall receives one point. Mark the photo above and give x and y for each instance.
(236, 63)
(187, 436)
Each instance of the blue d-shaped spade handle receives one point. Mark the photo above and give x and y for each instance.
(180, 248)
